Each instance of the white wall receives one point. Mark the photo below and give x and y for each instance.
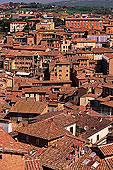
(102, 133)
(7, 127)
(74, 128)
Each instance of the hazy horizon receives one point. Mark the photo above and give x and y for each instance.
(40, 1)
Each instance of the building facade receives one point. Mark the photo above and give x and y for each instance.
(17, 26)
(89, 23)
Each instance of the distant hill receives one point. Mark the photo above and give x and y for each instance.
(86, 3)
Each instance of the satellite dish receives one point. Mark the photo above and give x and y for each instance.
(85, 127)
(86, 148)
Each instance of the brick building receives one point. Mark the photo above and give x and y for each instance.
(60, 71)
(45, 26)
(89, 23)
(107, 64)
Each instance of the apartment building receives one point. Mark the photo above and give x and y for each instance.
(100, 39)
(89, 23)
(45, 26)
(60, 71)
(83, 43)
(17, 59)
(107, 64)
(17, 26)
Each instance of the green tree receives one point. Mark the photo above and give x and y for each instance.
(58, 21)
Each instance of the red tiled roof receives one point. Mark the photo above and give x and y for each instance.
(83, 40)
(33, 164)
(58, 156)
(8, 144)
(29, 107)
(110, 56)
(107, 150)
(46, 130)
(100, 164)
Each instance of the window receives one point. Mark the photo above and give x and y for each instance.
(37, 141)
(112, 92)
(106, 90)
(71, 129)
(66, 75)
(92, 154)
(27, 138)
(91, 140)
(60, 65)
(0, 156)
(19, 118)
(95, 164)
(60, 70)
(67, 70)
(97, 137)
(86, 161)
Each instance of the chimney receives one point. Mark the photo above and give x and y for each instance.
(50, 120)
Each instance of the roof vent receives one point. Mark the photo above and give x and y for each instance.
(93, 128)
(86, 128)
(50, 120)
(32, 152)
(101, 119)
(82, 152)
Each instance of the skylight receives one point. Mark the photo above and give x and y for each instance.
(86, 161)
(92, 154)
(68, 104)
(95, 164)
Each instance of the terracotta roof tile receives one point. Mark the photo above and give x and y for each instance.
(33, 164)
(46, 130)
(8, 144)
(29, 107)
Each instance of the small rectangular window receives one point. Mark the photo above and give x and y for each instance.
(97, 137)
(71, 129)
(27, 138)
(37, 141)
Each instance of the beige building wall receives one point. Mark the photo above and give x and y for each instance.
(26, 95)
(82, 45)
(45, 26)
(12, 162)
(37, 97)
(69, 128)
(63, 72)
(102, 133)
(13, 64)
(111, 66)
(9, 83)
(85, 100)
(31, 95)
(45, 110)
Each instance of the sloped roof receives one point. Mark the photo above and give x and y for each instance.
(29, 107)
(45, 129)
(86, 162)
(8, 144)
(33, 164)
(107, 149)
(57, 156)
